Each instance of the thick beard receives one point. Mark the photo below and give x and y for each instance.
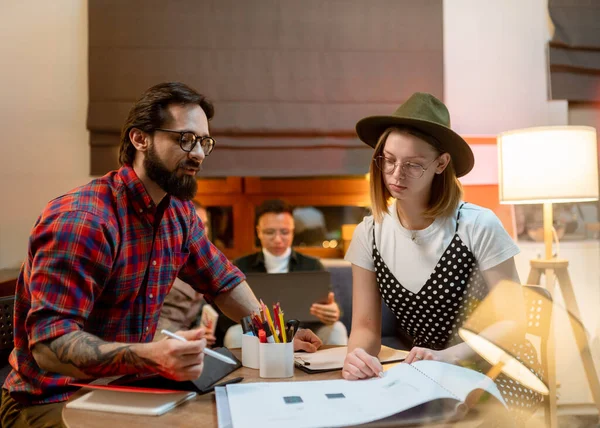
(182, 187)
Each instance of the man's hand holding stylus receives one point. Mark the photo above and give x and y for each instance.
(178, 360)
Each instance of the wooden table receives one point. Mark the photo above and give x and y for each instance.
(202, 411)
(198, 413)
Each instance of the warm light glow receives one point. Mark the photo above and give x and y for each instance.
(493, 355)
(548, 164)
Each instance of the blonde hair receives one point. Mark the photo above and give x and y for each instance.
(446, 190)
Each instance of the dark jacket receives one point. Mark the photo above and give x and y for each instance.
(255, 262)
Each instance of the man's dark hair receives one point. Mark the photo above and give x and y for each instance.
(150, 112)
(275, 206)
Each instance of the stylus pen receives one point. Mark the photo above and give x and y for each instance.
(207, 351)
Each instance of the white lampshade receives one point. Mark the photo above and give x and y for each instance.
(495, 354)
(548, 164)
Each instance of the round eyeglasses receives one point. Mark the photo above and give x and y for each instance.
(409, 169)
(188, 140)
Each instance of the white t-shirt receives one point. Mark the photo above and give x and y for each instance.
(412, 262)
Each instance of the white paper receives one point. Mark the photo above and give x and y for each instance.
(223, 413)
(402, 387)
(461, 382)
(333, 358)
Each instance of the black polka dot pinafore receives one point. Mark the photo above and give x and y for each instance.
(433, 316)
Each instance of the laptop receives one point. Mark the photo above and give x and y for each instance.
(295, 291)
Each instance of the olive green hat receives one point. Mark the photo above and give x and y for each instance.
(428, 115)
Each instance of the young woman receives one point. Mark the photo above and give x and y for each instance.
(430, 256)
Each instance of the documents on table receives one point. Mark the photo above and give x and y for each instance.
(337, 403)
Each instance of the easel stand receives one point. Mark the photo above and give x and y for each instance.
(558, 268)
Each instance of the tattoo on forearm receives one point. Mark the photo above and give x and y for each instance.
(83, 350)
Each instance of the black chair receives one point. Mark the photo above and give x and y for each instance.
(538, 302)
(7, 308)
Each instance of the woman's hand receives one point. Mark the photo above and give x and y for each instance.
(418, 354)
(329, 312)
(360, 365)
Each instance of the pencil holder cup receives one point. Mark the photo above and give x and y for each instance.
(276, 359)
(250, 356)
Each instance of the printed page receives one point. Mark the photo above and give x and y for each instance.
(330, 403)
(333, 358)
(459, 380)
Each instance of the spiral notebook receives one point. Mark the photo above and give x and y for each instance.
(423, 392)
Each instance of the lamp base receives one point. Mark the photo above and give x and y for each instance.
(559, 268)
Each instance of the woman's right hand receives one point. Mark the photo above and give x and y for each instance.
(360, 365)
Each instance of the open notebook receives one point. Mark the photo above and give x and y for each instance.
(333, 358)
(425, 391)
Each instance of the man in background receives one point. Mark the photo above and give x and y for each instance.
(275, 230)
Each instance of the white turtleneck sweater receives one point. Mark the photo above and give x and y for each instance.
(277, 264)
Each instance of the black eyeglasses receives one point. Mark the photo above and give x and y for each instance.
(188, 140)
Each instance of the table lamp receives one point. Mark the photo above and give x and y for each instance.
(497, 350)
(546, 165)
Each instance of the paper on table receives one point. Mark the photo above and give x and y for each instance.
(223, 412)
(340, 402)
(333, 358)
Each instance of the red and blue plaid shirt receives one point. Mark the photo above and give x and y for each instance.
(89, 252)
